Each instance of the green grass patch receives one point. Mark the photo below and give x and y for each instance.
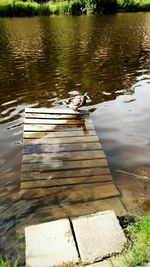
(8, 263)
(138, 249)
(133, 5)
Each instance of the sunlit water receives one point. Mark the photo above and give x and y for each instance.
(47, 59)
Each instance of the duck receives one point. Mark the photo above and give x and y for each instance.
(76, 102)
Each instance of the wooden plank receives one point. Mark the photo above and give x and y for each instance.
(53, 111)
(47, 128)
(57, 134)
(75, 193)
(59, 165)
(100, 171)
(65, 181)
(67, 140)
(77, 116)
(31, 158)
(46, 148)
(56, 122)
(56, 212)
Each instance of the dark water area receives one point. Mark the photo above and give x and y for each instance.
(47, 59)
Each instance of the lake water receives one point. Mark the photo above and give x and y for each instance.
(47, 59)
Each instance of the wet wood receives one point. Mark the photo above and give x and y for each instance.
(56, 122)
(78, 139)
(76, 193)
(46, 148)
(77, 116)
(53, 111)
(100, 171)
(80, 209)
(65, 127)
(64, 156)
(57, 134)
(65, 181)
(60, 165)
(63, 161)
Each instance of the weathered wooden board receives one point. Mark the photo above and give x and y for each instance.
(57, 134)
(60, 165)
(63, 160)
(64, 156)
(53, 111)
(47, 148)
(77, 116)
(78, 139)
(65, 127)
(73, 193)
(65, 181)
(56, 122)
(100, 171)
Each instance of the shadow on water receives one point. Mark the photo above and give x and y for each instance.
(47, 59)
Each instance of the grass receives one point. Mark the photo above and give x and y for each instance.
(138, 250)
(133, 5)
(13, 8)
(8, 263)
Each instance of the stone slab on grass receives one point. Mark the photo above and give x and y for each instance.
(49, 244)
(98, 235)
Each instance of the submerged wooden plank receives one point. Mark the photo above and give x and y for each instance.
(77, 116)
(47, 128)
(47, 148)
(63, 161)
(75, 193)
(30, 158)
(65, 181)
(65, 210)
(56, 122)
(53, 111)
(53, 164)
(78, 139)
(57, 134)
(36, 175)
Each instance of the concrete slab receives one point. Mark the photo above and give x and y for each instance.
(49, 244)
(98, 235)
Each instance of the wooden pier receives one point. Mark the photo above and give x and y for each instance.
(64, 164)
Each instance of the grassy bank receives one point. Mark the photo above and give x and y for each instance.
(73, 7)
(133, 5)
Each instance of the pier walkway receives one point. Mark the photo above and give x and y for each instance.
(64, 164)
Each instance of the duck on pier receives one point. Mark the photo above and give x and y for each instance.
(76, 102)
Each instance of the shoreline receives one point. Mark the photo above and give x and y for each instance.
(14, 8)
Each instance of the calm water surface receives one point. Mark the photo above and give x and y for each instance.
(46, 59)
